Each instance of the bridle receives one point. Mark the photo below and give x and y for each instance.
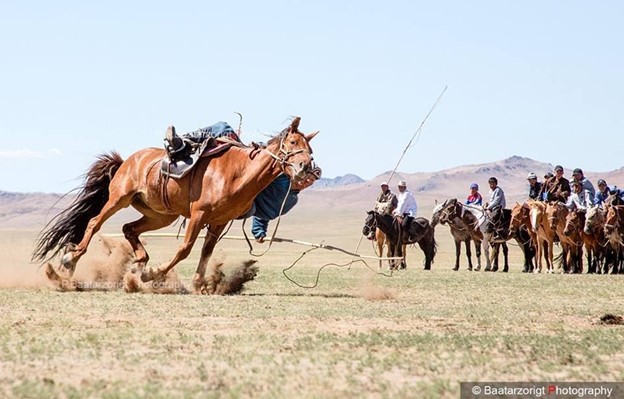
(373, 224)
(284, 155)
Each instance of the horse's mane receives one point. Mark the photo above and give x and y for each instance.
(438, 208)
(476, 210)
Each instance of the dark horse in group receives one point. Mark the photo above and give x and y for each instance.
(420, 232)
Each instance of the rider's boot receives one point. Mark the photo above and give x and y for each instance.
(173, 142)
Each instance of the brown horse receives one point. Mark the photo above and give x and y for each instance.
(595, 226)
(545, 235)
(571, 244)
(592, 240)
(614, 232)
(519, 228)
(218, 190)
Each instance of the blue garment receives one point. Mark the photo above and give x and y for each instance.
(217, 130)
(268, 203)
(601, 197)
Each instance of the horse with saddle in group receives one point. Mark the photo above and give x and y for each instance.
(472, 223)
(217, 189)
(420, 232)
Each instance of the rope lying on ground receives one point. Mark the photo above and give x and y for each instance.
(276, 239)
(314, 246)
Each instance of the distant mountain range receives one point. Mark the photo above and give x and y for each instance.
(31, 210)
(338, 181)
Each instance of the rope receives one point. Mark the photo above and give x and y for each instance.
(417, 133)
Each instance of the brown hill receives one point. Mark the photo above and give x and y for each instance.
(450, 183)
(31, 210)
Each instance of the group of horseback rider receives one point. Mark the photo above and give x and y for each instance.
(576, 194)
(401, 206)
(275, 200)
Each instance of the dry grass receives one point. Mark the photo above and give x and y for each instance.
(357, 334)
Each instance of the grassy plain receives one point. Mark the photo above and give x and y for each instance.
(357, 334)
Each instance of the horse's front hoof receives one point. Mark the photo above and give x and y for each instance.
(199, 286)
(148, 275)
(68, 260)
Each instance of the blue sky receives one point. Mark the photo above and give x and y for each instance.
(538, 79)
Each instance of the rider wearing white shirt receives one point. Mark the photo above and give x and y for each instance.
(406, 207)
(580, 199)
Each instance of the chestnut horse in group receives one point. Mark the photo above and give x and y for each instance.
(541, 227)
(614, 233)
(218, 190)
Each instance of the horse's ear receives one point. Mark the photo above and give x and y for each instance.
(436, 201)
(311, 136)
(294, 125)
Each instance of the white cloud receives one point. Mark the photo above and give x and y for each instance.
(23, 153)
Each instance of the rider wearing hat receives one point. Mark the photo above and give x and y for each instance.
(579, 199)
(406, 207)
(588, 187)
(386, 201)
(474, 198)
(557, 188)
(386, 204)
(534, 186)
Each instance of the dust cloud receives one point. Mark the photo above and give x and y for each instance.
(373, 292)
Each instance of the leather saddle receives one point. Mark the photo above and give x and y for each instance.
(183, 162)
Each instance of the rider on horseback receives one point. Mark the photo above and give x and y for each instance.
(406, 208)
(177, 146)
(495, 207)
(557, 188)
(268, 204)
(385, 205)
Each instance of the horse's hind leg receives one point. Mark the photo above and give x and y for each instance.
(469, 254)
(505, 257)
(133, 230)
(112, 206)
(199, 280)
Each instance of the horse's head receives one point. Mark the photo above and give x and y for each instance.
(435, 216)
(537, 211)
(519, 217)
(573, 222)
(369, 224)
(614, 198)
(291, 149)
(611, 220)
(594, 219)
(449, 211)
(556, 211)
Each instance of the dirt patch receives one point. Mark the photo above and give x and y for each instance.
(220, 283)
(171, 285)
(373, 292)
(611, 319)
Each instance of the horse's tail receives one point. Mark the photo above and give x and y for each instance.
(69, 225)
(434, 245)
